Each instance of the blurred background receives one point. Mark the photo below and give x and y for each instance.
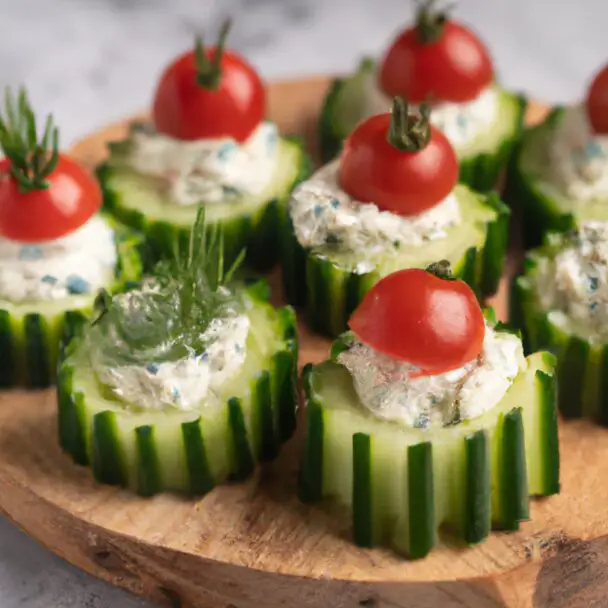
(94, 61)
(91, 61)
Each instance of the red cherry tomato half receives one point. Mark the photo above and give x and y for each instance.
(597, 102)
(454, 68)
(185, 109)
(71, 199)
(433, 323)
(404, 183)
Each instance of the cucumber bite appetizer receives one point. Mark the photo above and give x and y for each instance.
(390, 201)
(441, 61)
(428, 417)
(208, 144)
(182, 383)
(56, 250)
(560, 171)
(561, 304)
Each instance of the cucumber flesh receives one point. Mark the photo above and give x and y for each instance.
(31, 332)
(403, 486)
(249, 222)
(186, 451)
(481, 159)
(325, 279)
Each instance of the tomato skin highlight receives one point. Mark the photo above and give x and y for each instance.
(432, 323)
(73, 196)
(404, 183)
(183, 109)
(455, 68)
(597, 102)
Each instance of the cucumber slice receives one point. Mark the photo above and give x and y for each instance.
(403, 486)
(31, 332)
(325, 280)
(481, 160)
(250, 223)
(544, 207)
(582, 360)
(154, 451)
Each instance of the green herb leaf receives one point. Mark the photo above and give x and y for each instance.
(32, 161)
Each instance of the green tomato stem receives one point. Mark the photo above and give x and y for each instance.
(430, 21)
(442, 270)
(409, 132)
(209, 71)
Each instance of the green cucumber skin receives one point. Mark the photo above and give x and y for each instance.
(308, 278)
(471, 520)
(576, 364)
(30, 345)
(480, 172)
(538, 212)
(259, 235)
(97, 443)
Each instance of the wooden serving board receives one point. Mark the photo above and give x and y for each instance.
(254, 545)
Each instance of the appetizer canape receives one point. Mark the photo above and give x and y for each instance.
(561, 304)
(208, 143)
(56, 250)
(391, 201)
(560, 171)
(182, 383)
(428, 417)
(441, 61)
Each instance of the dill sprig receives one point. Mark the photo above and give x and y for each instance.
(165, 320)
(32, 160)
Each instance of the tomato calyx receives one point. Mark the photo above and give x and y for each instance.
(31, 161)
(408, 131)
(209, 70)
(430, 22)
(442, 270)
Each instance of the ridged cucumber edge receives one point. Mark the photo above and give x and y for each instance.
(96, 443)
(582, 367)
(261, 240)
(330, 294)
(495, 476)
(30, 344)
(538, 211)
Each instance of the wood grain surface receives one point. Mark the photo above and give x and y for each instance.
(254, 545)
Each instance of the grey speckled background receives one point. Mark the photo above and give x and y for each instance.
(93, 61)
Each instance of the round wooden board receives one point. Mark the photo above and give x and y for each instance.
(254, 545)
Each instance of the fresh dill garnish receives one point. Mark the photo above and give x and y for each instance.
(32, 161)
(166, 318)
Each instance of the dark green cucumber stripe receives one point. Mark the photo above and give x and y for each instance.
(495, 248)
(571, 370)
(477, 488)
(469, 270)
(200, 479)
(7, 348)
(363, 523)
(330, 142)
(38, 350)
(603, 388)
(71, 416)
(244, 463)
(267, 443)
(107, 454)
(421, 501)
(285, 374)
(293, 263)
(514, 502)
(311, 470)
(149, 477)
(548, 435)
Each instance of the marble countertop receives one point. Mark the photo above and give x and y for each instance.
(94, 61)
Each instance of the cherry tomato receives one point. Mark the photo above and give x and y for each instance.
(226, 99)
(73, 196)
(437, 59)
(431, 322)
(372, 169)
(597, 102)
